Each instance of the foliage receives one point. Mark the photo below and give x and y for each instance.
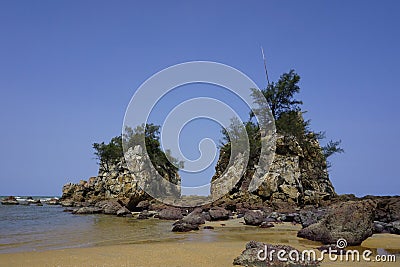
(288, 116)
(108, 154)
(112, 153)
(164, 162)
(280, 95)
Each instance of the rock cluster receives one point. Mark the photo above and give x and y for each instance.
(352, 220)
(117, 182)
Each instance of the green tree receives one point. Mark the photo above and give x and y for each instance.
(109, 154)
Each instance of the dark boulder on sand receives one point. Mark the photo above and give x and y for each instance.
(251, 256)
(181, 226)
(218, 214)
(170, 214)
(352, 220)
(195, 217)
(254, 217)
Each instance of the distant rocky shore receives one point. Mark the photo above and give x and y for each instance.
(12, 200)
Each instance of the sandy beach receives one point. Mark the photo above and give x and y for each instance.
(200, 251)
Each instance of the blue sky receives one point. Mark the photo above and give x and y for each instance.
(69, 68)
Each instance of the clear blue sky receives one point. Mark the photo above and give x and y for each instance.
(69, 68)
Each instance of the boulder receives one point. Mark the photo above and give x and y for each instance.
(142, 205)
(254, 217)
(88, 210)
(218, 214)
(109, 206)
(184, 227)
(123, 211)
(195, 217)
(67, 203)
(53, 201)
(311, 216)
(143, 215)
(395, 227)
(170, 214)
(9, 201)
(352, 220)
(255, 255)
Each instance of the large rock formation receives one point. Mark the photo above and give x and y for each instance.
(351, 220)
(297, 175)
(118, 182)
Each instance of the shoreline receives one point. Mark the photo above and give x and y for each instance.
(198, 251)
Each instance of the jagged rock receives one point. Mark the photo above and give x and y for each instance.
(117, 182)
(297, 175)
(170, 214)
(254, 217)
(88, 210)
(9, 201)
(250, 256)
(352, 220)
(218, 214)
(388, 209)
(123, 211)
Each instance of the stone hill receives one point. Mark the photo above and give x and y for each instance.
(298, 176)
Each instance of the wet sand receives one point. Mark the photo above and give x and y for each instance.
(217, 247)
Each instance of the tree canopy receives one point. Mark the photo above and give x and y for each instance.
(288, 115)
(112, 153)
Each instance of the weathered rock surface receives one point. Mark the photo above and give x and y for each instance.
(195, 217)
(123, 212)
(249, 256)
(297, 175)
(88, 210)
(170, 214)
(311, 216)
(184, 227)
(254, 217)
(117, 182)
(218, 214)
(352, 220)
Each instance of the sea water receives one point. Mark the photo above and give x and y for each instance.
(38, 228)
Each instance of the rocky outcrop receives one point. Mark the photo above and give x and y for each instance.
(9, 201)
(117, 182)
(298, 175)
(351, 220)
(260, 254)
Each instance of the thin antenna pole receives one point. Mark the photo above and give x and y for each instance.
(265, 65)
